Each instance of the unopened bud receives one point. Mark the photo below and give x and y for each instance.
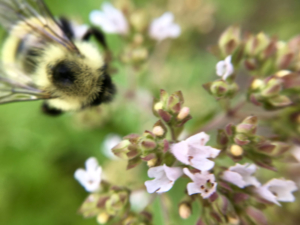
(103, 218)
(257, 84)
(236, 150)
(280, 101)
(185, 210)
(148, 144)
(138, 39)
(219, 88)
(233, 220)
(241, 139)
(158, 131)
(184, 112)
(152, 162)
(121, 149)
(273, 88)
(138, 20)
(139, 54)
(282, 73)
(158, 106)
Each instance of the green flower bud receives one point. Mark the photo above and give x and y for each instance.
(241, 139)
(230, 40)
(121, 149)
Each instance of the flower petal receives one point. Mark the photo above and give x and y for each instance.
(173, 173)
(197, 140)
(234, 178)
(91, 164)
(180, 151)
(193, 188)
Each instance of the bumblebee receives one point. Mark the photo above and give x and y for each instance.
(43, 59)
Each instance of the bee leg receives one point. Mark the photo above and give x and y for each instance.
(50, 111)
(100, 38)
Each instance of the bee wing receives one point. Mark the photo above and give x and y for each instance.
(13, 91)
(14, 11)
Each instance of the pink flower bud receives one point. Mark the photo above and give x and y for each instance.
(184, 112)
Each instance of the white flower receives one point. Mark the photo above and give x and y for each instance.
(277, 190)
(193, 152)
(110, 19)
(109, 142)
(240, 175)
(203, 183)
(225, 68)
(139, 200)
(164, 178)
(91, 177)
(163, 27)
(79, 30)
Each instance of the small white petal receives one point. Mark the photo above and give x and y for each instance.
(225, 68)
(155, 171)
(80, 175)
(234, 178)
(278, 190)
(163, 27)
(193, 188)
(180, 151)
(173, 173)
(164, 178)
(203, 183)
(91, 177)
(202, 164)
(220, 68)
(241, 175)
(91, 164)
(198, 139)
(110, 19)
(193, 152)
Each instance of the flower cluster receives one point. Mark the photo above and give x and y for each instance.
(222, 175)
(107, 202)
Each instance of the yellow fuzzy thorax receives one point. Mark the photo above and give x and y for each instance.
(90, 61)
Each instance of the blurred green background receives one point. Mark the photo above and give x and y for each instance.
(39, 154)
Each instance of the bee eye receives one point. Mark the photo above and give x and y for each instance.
(63, 74)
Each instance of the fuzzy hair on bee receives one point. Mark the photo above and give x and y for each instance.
(43, 59)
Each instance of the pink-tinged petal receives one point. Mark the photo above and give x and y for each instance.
(241, 175)
(202, 164)
(282, 189)
(234, 178)
(174, 31)
(180, 151)
(187, 172)
(203, 152)
(173, 173)
(192, 188)
(163, 27)
(155, 171)
(164, 178)
(197, 140)
(207, 194)
(264, 193)
(157, 185)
